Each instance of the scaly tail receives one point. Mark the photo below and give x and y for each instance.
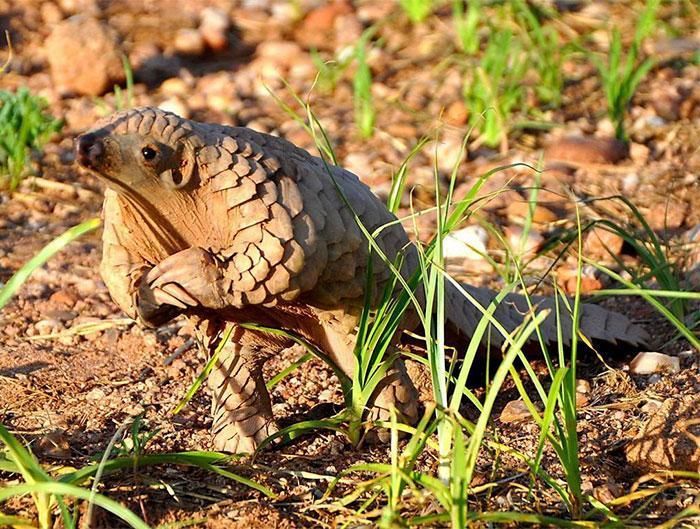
(596, 323)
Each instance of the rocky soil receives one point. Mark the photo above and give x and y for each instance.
(225, 61)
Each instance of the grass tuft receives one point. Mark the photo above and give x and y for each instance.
(25, 127)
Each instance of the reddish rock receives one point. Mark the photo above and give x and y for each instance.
(318, 27)
(587, 150)
(518, 210)
(515, 411)
(601, 244)
(63, 298)
(84, 56)
(457, 113)
(667, 215)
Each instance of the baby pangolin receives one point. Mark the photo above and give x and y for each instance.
(228, 225)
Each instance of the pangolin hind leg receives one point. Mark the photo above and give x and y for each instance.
(396, 390)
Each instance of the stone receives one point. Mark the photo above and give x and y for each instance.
(639, 153)
(189, 41)
(650, 362)
(467, 243)
(667, 215)
(583, 391)
(175, 86)
(50, 13)
(630, 183)
(590, 281)
(601, 243)
(54, 444)
(670, 439)
(48, 326)
(214, 27)
(523, 248)
(317, 28)
(517, 211)
(176, 106)
(448, 152)
(63, 298)
(579, 149)
(515, 411)
(96, 394)
(84, 56)
(456, 113)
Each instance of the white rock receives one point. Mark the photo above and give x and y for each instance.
(48, 326)
(96, 394)
(467, 243)
(189, 42)
(448, 153)
(648, 363)
(630, 182)
(176, 106)
(529, 246)
(213, 28)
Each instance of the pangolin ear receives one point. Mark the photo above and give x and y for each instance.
(183, 172)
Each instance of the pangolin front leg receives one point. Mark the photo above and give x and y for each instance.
(189, 278)
(241, 407)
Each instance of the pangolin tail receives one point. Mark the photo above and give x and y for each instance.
(595, 322)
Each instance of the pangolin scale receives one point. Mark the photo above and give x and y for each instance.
(226, 224)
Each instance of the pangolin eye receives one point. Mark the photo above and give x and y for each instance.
(148, 153)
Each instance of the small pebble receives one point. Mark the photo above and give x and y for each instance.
(515, 411)
(189, 41)
(176, 106)
(650, 362)
(466, 243)
(518, 210)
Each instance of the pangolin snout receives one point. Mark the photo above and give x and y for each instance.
(88, 150)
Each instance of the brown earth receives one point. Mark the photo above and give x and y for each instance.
(67, 396)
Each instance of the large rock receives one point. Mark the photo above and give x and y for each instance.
(587, 150)
(670, 439)
(84, 56)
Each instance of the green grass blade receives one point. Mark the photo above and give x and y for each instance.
(205, 372)
(288, 370)
(16, 281)
(63, 489)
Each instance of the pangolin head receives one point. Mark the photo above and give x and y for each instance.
(140, 151)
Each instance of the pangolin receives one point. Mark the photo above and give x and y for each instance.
(228, 225)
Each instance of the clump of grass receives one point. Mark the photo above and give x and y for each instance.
(330, 72)
(621, 71)
(544, 53)
(25, 127)
(495, 89)
(123, 99)
(47, 492)
(417, 10)
(522, 56)
(51, 492)
(467, 24)
(365, 114)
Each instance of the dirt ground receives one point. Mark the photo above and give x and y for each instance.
(68, 395)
